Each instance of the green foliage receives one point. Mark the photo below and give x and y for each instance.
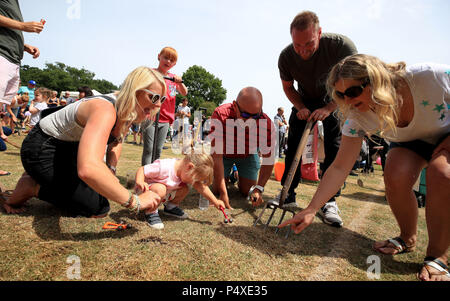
(61, 77)
(209, 106)
(203, 87)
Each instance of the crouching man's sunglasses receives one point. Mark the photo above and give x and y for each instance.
(247, 115)
(353, 91)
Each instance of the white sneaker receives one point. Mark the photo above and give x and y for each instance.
(330, 216)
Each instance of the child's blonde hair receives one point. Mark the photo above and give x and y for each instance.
(384, 80)
(203, 170)
(46, 93)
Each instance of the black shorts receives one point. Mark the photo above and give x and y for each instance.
(422, 148)
(52, 163)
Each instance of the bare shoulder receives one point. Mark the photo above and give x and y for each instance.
(96, 109)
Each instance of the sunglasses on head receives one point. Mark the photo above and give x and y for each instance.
(247, 115)
(353, 91)
(154, 96)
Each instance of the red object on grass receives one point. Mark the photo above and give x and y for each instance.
(279, 170)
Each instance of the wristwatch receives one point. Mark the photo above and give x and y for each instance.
(260, 188)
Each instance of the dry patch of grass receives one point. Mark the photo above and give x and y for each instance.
(35, 245)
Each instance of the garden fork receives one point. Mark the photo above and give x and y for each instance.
(278, 202)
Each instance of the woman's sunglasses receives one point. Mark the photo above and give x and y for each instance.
(155, 97)
(353, 91)
(247, 115)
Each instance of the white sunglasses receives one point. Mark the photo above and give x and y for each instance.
(154, 96)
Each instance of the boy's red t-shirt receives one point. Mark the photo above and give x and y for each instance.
(167, 111)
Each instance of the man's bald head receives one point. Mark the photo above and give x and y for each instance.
(250, 100)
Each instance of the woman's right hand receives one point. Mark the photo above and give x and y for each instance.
(300, 221)
(149, 201)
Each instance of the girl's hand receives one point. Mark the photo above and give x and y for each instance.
(149, 201)
(219, 204)
(141, 187)
(300, 221)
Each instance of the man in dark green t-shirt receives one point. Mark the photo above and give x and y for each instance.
(11, 51)
(308, 61)
(12, 47)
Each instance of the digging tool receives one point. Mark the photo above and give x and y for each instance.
(278, 202)
(10, 143)
(155, 137)
(114, 226)
(171, 78)
(227, 219)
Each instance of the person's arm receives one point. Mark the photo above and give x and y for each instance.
(2, 134)
(34, 51)
(140, 184)
(264, 175)
(295, 98)
(22, 26)
(322, 113)
(332, 180)
(32, 108)
(8, 109)
(219, 179)
(206, 192)
(99, 118)
(181, 88)
(113, 153)
(268, 162)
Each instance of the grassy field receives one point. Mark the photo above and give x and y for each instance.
(37, 244)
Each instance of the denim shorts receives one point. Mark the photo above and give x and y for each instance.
(247, 167)
(52, 163)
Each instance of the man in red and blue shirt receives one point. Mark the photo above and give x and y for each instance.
(240, 131)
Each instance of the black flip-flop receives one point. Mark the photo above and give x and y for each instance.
(5, 174)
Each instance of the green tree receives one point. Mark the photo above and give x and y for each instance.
(61, 77)
(202, 87)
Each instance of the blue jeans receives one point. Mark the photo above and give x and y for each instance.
(7, 132)
(148, 133)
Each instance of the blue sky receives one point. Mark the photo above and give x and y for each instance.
(239, 41)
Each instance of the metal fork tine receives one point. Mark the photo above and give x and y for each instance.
(261, 214)
(288, 232)
(281, 220)
(270, 218)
